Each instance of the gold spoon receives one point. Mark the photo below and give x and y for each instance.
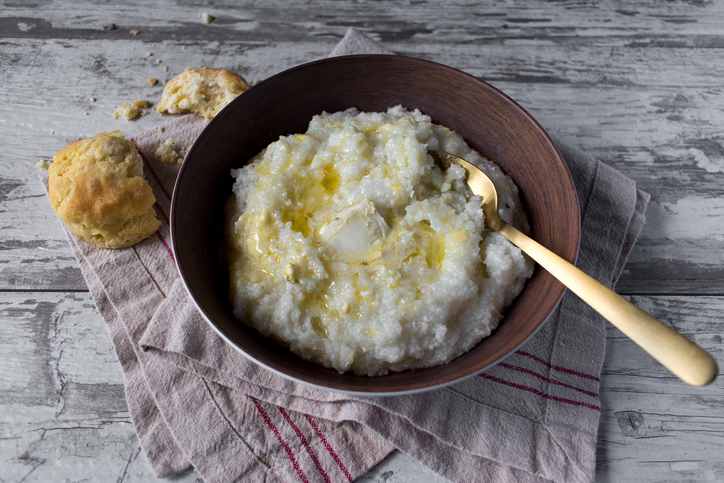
(688, 361)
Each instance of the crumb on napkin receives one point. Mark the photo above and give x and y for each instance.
(166, 153)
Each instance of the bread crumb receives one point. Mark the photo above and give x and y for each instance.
(141, 103)
(42, 164)
(203, 91)
(135, 32)
(148, 54)
(160, 128)
(206, 18)
(165, 68)
(153, 81)
(166, 153)
(127, 111)
(92, 99)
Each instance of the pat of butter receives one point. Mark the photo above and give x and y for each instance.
(355, 230)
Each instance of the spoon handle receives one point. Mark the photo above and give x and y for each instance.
(688, 361)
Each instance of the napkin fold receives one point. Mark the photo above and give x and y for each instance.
(197, 402)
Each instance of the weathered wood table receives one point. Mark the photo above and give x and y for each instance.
(637, 84)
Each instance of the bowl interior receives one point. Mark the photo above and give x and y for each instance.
(488, 120)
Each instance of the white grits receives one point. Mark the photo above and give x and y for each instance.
(351, 248)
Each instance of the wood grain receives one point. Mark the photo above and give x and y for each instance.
(636, 84)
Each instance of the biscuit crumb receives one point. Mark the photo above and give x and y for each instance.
(92, 99)
(42, 164)
(127, 111)
(160, 128)
(206, 18)
(165, 68)
(203, 91)
(166, 153)
(148, 54)
(153, 81)
(135, 32)
(141, 103)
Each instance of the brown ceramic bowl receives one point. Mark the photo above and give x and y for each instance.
(284, 104)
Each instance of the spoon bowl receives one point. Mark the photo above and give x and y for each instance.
(682, 357)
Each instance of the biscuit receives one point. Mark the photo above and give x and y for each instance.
(97, 189)
(203, 91)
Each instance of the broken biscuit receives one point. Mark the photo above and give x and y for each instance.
(203, 91)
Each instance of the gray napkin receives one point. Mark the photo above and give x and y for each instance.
(197, 402)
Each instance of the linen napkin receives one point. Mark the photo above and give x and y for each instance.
(197, 402)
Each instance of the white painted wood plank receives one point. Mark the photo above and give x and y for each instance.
(63, 413)
(659, 122)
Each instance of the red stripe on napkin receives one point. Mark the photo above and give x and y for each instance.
(539, 393)
(557, 368)
(305, 444)
(286, 447)
(546, 379)
(332, 453)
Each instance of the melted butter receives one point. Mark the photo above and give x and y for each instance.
(291, 273)
(460, 236)
(257, 231)
(313, 189)
(319, 327)
(435, 251)
(331, 179)
(432, 245)
(298, 219)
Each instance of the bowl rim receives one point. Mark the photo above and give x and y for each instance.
(384, 392)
